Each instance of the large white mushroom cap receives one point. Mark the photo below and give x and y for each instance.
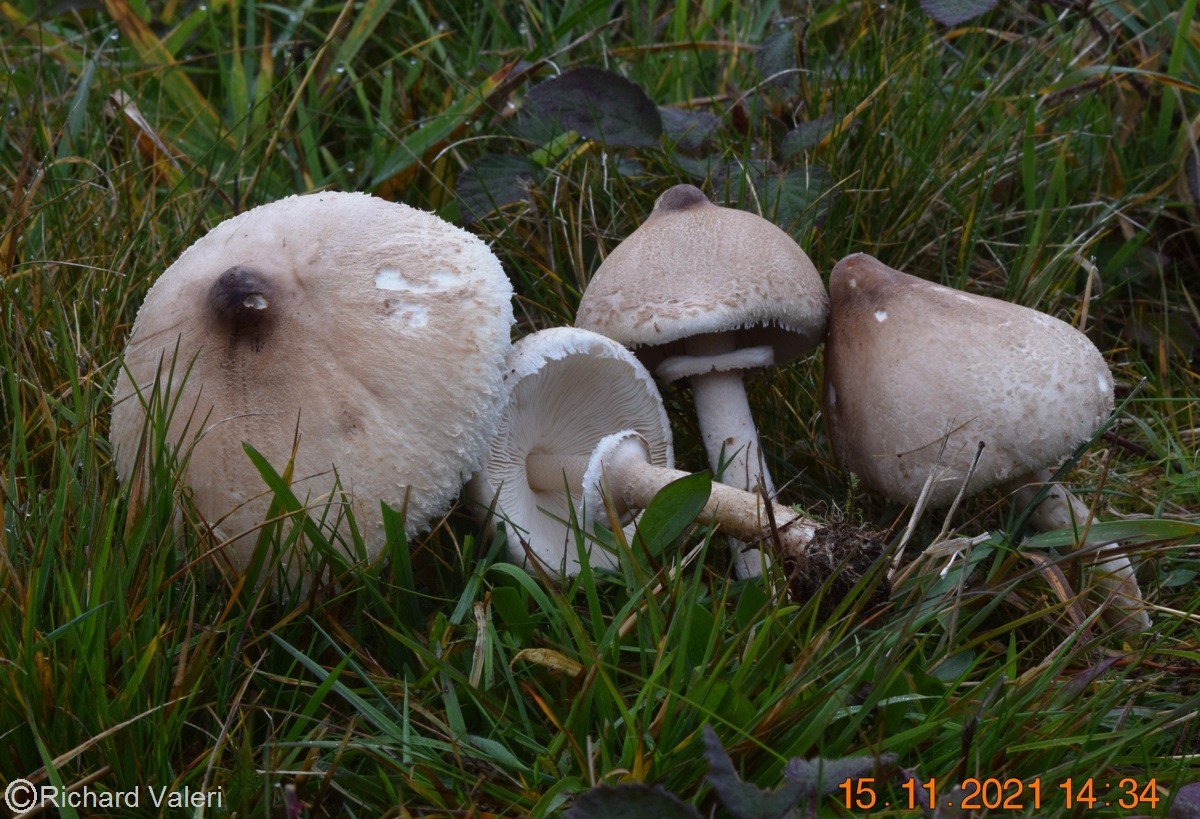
(375, 331)
(695, 268)
(917, 375)
(567, 389)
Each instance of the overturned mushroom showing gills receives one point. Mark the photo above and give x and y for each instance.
(584, 418)
(372, 333)
(566, 389)
(707, 292)
(918, 375)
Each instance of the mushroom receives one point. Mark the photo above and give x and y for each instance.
(583, 417)
(706, 292)
(919, 376)
(565, 390)
(338, 334)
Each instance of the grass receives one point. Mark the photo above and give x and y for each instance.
(1039, 154)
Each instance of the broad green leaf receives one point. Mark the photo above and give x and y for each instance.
(512, 606)
(799, 199)
(672, 511)
(808, 134)
(1125, 531)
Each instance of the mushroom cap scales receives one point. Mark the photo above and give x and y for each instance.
(695, 268)
(917, 375)
(371, 333)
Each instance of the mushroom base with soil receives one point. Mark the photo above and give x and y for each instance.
(620, 470)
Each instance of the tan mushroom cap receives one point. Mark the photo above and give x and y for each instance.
(694, 268)
(910, 364)
(375, 331)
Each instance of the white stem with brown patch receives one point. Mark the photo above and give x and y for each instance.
(621, 466)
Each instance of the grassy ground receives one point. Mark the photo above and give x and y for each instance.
(1045, 153)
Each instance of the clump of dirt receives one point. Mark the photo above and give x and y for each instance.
(840, 555)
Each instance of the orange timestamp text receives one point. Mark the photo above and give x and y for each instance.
(995, 793)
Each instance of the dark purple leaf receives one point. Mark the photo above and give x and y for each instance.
(745, 800)
(632, 801)
(776, 60)
(689, 130)
(1186, 804)
(1078, 685)
(596, 104)
(493, 181)
(953, 12)
(821, 776)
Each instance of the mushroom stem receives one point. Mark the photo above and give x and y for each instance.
(546, 471)
(729, 433)
(622, 462)
(1114, 572)
(726, 424)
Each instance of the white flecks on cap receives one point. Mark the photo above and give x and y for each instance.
(377, 356)
(917, 393)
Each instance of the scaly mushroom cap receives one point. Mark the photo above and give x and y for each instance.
(375, 331)
(693, 268)
(910, 364)
(567, 389)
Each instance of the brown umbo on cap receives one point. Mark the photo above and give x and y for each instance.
(371, 332)
(694, 268)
